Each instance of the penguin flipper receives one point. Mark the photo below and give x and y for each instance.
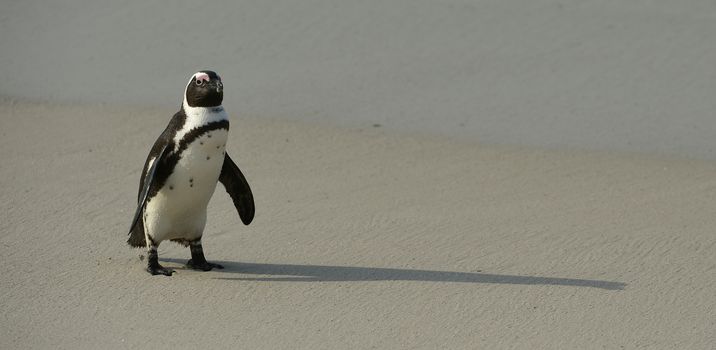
(137, 233)
(238, 188)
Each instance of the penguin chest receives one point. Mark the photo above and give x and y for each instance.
(193, 181)
(186, 193)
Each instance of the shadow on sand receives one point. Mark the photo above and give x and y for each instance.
(318, 273)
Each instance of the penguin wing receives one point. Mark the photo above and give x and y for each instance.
(238, 188)
(148, 180)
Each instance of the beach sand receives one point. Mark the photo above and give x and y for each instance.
(534, 174)
(362, 239)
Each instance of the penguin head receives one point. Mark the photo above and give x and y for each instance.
(204, 90)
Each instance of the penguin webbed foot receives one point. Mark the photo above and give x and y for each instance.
(159, 270)
(153, 266)
(202, 265)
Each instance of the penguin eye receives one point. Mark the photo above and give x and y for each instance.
(199, 82)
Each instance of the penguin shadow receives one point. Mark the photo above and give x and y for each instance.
(320, 273)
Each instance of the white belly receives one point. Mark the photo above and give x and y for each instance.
(178, 211)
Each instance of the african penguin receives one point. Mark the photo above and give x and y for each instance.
(180, 175)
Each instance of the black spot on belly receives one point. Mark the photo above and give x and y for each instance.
(201, 143)
(217, 147)
(207, 157)
(208, 135)
(171, 187)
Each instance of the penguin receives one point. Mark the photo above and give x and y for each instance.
(180, 175)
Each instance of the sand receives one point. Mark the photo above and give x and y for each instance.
(362, 239)
(530, 174)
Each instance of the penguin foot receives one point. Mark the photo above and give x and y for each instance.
(202, 266)
(159, 270)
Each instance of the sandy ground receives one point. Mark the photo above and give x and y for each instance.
(362, 239)
(540, 175)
